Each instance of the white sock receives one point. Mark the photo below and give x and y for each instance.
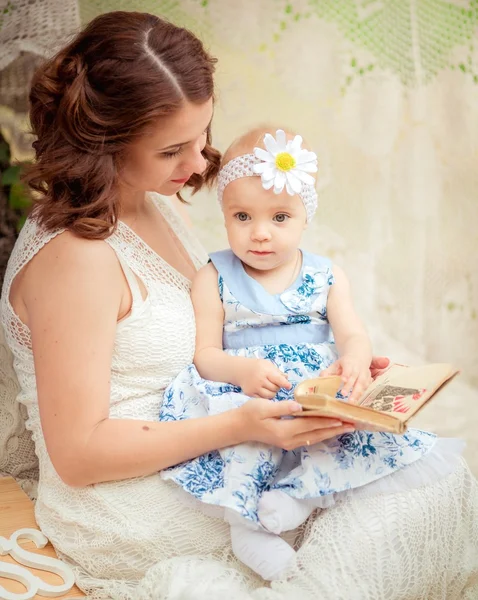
(280, 512)
(265, 553)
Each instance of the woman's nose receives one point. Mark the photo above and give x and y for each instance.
(197, 162)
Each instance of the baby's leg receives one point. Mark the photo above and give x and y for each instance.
(280, 512)
(265, 553)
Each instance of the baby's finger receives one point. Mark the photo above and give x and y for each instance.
(334, 369)
(263, 392)
(348, 370)
(348, 385)
(279, 379)
(268, 385)
(357, 391)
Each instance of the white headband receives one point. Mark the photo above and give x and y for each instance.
(282, 164)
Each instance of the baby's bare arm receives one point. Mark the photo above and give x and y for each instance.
(210, 359)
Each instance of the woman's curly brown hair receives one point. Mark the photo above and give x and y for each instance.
(122, 73)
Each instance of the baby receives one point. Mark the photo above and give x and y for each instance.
(265, 312)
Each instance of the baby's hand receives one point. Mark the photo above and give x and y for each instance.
(355, 375)
(261, 378)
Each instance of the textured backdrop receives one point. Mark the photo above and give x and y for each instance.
(387, 93)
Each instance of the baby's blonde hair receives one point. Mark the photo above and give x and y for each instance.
(253, 138)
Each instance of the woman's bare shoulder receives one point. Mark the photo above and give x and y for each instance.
(67, 250)
(68, 263)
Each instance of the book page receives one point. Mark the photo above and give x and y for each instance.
(401, 390)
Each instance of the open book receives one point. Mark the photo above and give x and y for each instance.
(386, 405)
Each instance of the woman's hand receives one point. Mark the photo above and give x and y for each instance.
(355, 375)
(260, 421)
(259, 377)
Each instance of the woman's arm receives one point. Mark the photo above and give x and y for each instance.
(74, 291)
(255, 377)
(73, 295)
(352, 341)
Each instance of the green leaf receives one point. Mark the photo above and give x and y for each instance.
(11, 175)
(18, 197)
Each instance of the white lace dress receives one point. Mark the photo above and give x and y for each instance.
(134, 540)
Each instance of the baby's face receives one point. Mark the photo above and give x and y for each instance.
(264, 229)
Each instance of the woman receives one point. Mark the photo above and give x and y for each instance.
(97, 313)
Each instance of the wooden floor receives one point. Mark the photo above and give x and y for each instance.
(16, 512)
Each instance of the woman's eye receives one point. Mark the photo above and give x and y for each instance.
(242, 216)
(172, 154)
(281, 217)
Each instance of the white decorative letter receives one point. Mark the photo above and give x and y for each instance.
(34, 584)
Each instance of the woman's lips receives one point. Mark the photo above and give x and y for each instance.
(180, 180)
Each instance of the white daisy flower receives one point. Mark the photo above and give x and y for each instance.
(285, 163)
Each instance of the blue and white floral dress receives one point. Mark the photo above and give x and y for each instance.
(291, 330)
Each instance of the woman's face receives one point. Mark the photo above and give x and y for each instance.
(165, 158)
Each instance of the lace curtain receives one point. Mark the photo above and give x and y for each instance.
(386, 91)
(29, 30)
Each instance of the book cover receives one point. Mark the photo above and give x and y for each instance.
(391, 400)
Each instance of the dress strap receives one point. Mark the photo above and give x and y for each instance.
(31, 240)
(180, 229)
(132, 281)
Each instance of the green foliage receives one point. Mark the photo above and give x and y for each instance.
(18, 194)
(11, 175)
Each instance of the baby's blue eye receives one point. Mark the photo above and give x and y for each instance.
(242, 216)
